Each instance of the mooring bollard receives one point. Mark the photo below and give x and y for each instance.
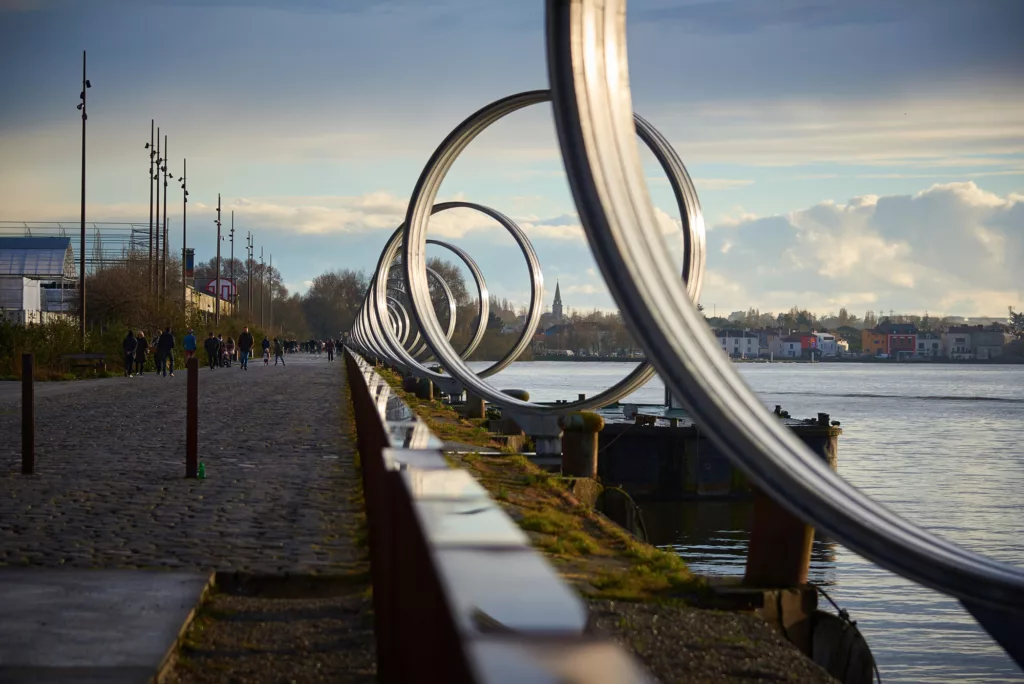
(192, 418)
(28, 415)
(474, 406)
(425, 389)
(508, 425)
(779, 554)
(579, 443)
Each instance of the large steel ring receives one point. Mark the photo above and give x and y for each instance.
(483, 308)
(391, 250)
(586, 41)
(415, 242)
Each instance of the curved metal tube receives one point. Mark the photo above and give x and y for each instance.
(483, 308)
(593, 114)
(416, 236)
(399, 356)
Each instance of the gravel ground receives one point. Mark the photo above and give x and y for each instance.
(680, 644)
(260, 640)
(281, 493)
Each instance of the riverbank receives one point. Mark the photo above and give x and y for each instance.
(644, 598)
(1003, 360)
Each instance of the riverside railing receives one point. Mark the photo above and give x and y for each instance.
(597, 131)
(459, 594)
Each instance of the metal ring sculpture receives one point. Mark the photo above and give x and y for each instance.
(379, 339)
(419, 347)
(416, 236)
(596, 126)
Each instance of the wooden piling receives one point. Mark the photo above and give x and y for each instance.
(28, 415)
(192, 418)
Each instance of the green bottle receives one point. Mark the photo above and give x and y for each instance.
(202, 470)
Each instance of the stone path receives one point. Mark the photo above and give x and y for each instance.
(281, 493)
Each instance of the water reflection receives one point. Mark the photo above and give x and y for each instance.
(713, 535)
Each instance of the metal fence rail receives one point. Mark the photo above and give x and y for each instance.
(459, 594)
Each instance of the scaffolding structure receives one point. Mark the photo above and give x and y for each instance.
(106, 243)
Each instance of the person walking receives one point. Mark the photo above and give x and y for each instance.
(231, 350)
(266, 350)
(165, 347)
(278, 352)
(212, 349)
(221, 350)
(141, 350)
(245, 342)
(129, 344)
(189, 345)
(330, 350)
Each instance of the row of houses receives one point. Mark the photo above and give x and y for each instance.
(751, 344)
(890, 340)
(958, 343)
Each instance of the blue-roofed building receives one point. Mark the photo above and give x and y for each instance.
(37, 276)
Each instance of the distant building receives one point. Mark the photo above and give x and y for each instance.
(873, 342)
(826, 344)
(901, 339)
(956, 343)
(929, 345)
(556, 306)
(741, 343)
(842, 347)
(792, 347)
(990, 341)
(37, 279)
(769, 342)
(225, 287)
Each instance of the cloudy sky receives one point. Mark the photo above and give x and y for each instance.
(865, 154)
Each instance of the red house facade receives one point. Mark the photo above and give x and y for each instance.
(901, 339)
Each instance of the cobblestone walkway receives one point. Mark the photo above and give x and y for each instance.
(281, 493)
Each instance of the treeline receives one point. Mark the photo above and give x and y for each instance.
(805, 321)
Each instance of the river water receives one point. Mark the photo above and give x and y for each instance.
(941, 445)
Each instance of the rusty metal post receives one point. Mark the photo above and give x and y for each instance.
(28, 415)
(475, 407)
(579, 443)
(779, 554)
(192, 419)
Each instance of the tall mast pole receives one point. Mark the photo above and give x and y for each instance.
(163, 262)
(154, 276)
(263, 280)
(216, 287)
(248, 277)
(152, 158)
(184, 233)
(81, 250)
(234, 298)
(271, 291)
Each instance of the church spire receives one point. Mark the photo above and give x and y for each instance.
(556, 306)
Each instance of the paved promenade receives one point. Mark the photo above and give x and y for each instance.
(109, 489)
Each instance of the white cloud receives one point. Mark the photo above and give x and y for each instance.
(970, 130)
(952, 248)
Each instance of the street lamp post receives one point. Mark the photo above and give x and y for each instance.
(81, 276)
(184, 234)
(216, 286)
(151, 146)
(234, 297)
(263, 280)
(249, 284)
(271, 292)
(154, 272)
(163, 262)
